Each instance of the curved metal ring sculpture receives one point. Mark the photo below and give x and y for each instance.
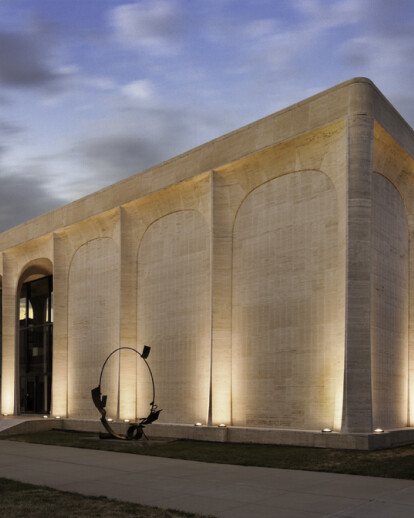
(135, 431)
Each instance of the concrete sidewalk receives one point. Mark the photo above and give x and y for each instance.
(217, 489)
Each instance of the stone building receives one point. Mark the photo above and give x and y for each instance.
(271, 272)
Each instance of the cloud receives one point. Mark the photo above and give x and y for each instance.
(30, 55)
(116, 156)
(8, 133)
(382, 49)
(141, 90)
(99, 82)
(324, 14)
(180, 75)
(280, 48)
(152, 25)
(314, 44)
(23, 197)
(8, 129)
(387, 60)
(23, 192)
(388, 18)
(380, 52)
(279, 43)
(136, 138)
(23, 62)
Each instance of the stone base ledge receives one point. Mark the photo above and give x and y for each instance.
(314, 439)
(231, 434)
(318, 439)
(15, 425)
(235, 434)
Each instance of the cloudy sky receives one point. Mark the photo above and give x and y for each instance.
(93, 91)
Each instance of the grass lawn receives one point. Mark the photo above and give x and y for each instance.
(394, 463)
(23, 500)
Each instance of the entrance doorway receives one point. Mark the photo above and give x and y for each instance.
(35, 346)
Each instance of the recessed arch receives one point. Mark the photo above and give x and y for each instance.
(287, 330)
(284, 174)
(156, 220)
(35, 269)
(389, 304)
(173, 314)
(396, 187)
(93, 323)
(35, 336)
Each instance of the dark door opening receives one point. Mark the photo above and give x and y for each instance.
(1, 333)
(35, 346)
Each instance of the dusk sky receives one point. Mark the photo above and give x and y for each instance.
(93, 91)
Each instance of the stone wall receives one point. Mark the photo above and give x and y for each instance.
(93, 325)
(287, 354)
(270, 271)
(174, 316)
(389, 312)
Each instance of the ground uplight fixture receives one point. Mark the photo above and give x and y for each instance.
(222, 425)
(126, 420)
(109, 419)
(379, 430)
(198, 424)
(5, 415)
(45, 416)
(326, 430)
(58, 417)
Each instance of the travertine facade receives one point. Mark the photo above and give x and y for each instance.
(269, 271)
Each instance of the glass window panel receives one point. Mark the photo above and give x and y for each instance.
(23, 306)
(35, 346)
(30, 313)
(38, 301)
(51, 307)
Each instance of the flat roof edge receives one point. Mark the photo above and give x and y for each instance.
(216, 153)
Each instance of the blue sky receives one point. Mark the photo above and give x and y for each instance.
(93, 91)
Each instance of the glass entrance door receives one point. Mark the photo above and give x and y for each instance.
(35, 346)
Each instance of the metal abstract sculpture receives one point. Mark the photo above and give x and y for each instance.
(135, 430)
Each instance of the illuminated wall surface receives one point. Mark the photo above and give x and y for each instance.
(270, 271)
(174, 315)
(389, 296)
(286, 304)
(93, 324)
